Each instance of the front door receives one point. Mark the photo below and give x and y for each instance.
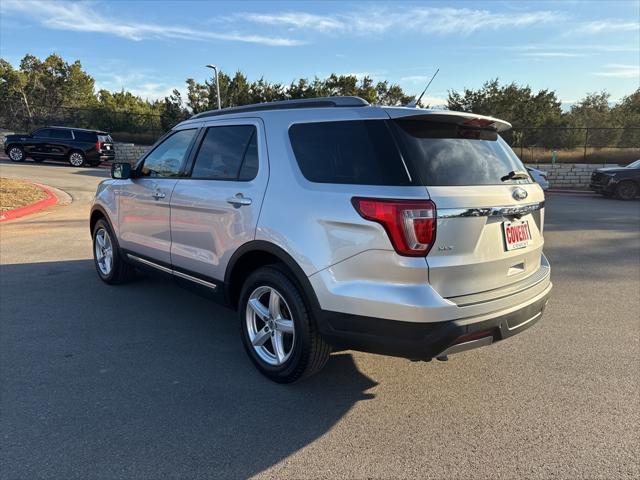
(216, 209)
(144, 200)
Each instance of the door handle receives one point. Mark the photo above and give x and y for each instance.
(157, 195)
(239, 200)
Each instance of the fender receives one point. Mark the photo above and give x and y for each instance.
(99, 208)
(263, 246)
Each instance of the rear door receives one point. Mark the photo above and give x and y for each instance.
(59, 143)
(144, 215)
(490, 212)
(216, 209)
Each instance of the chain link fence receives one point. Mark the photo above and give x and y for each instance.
(533, 145)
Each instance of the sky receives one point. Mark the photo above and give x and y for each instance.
(152, 47)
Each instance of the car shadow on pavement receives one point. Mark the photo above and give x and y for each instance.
(144, 380)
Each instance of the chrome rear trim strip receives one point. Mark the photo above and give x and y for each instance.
(170, 271)
(505, 211)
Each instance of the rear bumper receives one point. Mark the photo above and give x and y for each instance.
(428, 340)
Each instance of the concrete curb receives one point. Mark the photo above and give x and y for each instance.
(51, 199)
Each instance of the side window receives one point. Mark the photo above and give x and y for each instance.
(358, 152)
(61, 134)
(42, 133)
(83, 136)
(222, 152)
(167, 158)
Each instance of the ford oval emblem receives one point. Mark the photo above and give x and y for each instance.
(520, 194)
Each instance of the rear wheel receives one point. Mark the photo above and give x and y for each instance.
(278, 331)
(16, 154)
(626, 190)
(77, 159)
(107, 258)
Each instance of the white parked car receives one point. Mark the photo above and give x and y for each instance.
(539, 176)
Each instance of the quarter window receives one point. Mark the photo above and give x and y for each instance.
(357, 152)
(227, 153)
(83, 136)
(167, 158)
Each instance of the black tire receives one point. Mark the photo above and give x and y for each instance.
(16, 153)
(120, 271)
(77, 159)
(309, 352)
(626, 190)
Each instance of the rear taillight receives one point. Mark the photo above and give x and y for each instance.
(98, 145)
(410, 224)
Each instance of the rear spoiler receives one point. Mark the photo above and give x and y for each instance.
(447, 116)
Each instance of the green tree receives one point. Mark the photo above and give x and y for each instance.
(525, 110)
(44, 87)
(173, 111)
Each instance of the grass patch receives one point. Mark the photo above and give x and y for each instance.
(18, 193)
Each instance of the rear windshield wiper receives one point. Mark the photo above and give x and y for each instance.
(515, 176)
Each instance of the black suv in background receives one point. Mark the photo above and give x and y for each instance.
(77, 146)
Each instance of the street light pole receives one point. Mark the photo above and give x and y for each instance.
(215, 69)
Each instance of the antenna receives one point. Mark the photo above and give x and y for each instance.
(416, 103)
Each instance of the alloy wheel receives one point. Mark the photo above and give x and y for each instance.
(104, 251)
(270, 325)
(16, 154)
(76, 159)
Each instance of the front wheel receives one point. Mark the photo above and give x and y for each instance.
(77, 159)
(16, 154)
(278, 331)
(107, 258)
(626, 190)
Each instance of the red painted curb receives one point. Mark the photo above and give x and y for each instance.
(34, 207)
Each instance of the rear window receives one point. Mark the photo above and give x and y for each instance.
(359, 152)
(446, 154)
(105, 138)
(85, 136)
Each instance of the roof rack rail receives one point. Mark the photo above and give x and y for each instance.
(320, 102)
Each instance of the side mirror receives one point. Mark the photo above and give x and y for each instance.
(121, 171)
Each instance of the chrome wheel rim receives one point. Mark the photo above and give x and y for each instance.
(15, 154)
(270, 325)
(76, 159)
(104, 251)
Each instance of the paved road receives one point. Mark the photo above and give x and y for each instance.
(150, 381)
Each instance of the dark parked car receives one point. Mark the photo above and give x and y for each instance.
(621, 182)
(77, 146)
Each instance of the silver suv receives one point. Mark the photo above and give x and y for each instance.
(330, 223)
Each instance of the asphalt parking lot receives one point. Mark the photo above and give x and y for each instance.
(150, 381)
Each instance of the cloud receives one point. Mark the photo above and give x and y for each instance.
(553, 54)
(618, 70)
(144, 85)
(607, 26)
(81, 17)
(426, 20)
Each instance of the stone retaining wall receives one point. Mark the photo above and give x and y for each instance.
(568, 175)
(129, 152)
